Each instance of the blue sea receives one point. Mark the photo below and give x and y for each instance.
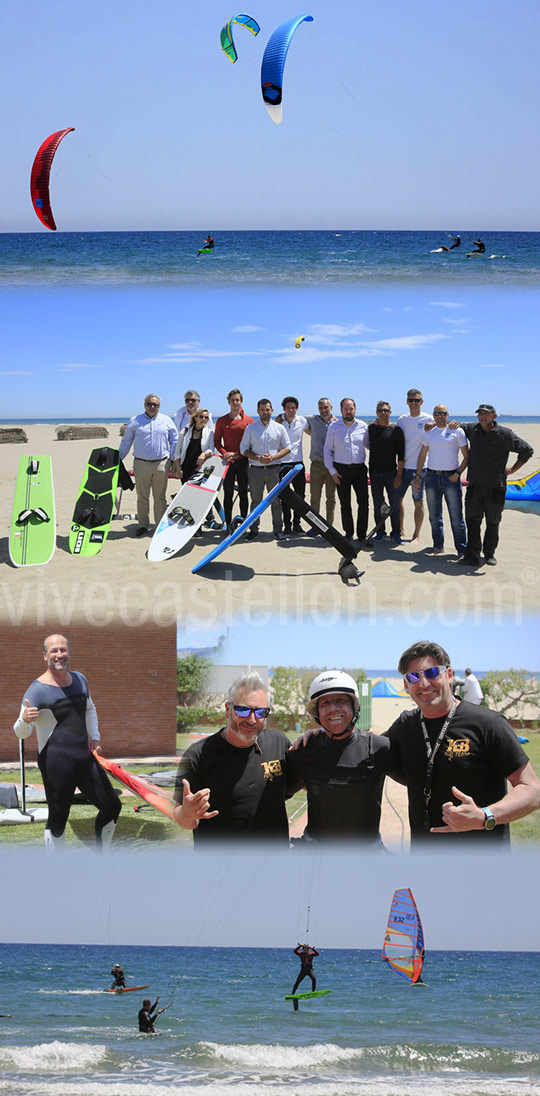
(300, 258)
(471, 1031)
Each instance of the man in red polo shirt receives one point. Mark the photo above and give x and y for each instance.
(228, 433)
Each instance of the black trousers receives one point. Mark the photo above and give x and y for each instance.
(237, 473)
(353, 476)
(480, 503)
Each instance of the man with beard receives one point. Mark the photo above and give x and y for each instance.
(231, 785)
(345, 455)
(265, 443)
(319, 475)
(58, 704)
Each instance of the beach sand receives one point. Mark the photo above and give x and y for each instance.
(297, 577)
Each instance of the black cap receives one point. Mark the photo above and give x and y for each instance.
(485, 407)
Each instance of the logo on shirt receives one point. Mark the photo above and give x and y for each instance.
(458, 747)
(272, 769)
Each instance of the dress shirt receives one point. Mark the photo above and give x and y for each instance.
(261, 439)
(295, 433)
(152, 439)
(345, 443)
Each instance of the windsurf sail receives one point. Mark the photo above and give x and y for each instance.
(524, 490)
(140, 785)
(403, 947)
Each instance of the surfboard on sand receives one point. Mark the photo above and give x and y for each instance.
(32, 537)
(188, 509)
(254, 516)
(94, 507)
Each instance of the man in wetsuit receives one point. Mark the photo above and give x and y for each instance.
(146, 1016)
(456, 759)
(59, 706)
(306, 955)
(231, 785)
(119, 977)
(343, 769)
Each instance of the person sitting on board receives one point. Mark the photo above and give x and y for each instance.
(147, 1018)
(119, 977)
(456, 759)
(265, 443)
(195, 444)
(153, 437)
(480, 247)
(58, 704)
(306, 955)
(227, 437)
(342, 769)
(231, 785)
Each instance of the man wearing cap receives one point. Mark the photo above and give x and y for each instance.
(231, 785)
(342, 769)
(456, 759)
(489, 446)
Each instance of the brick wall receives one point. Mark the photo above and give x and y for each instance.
(132, 677)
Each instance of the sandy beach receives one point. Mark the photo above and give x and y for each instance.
(251, 580)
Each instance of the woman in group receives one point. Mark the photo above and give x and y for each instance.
(194, 445)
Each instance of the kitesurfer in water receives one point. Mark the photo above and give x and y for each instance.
(457, 243)
(306, 955)
(58, 704)
(119, 977)
(209, 242)
(479, 249)
(146, 1016)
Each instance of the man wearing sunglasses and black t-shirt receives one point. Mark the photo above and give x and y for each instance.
(456, 759)
(232, 784)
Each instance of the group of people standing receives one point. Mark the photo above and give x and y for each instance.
(426, 452)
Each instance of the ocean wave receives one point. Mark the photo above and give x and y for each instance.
(51, 1057)
(278, 1056)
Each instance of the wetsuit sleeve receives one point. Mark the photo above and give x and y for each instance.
(22, 729)
(92, 721)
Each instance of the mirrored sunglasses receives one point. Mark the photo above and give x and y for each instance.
(429, 674)
(243, 712)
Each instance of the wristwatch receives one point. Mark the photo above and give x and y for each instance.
(490, 820)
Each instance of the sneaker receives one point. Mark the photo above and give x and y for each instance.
(312, 532)
(279, 536)
(469, 561)
(253, 532)
(491, 561)
(380, 535)
(396, 538)
(297, 528)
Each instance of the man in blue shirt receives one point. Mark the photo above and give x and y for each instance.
(153, 437)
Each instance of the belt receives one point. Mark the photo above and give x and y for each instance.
(443, 471)
(152, 460)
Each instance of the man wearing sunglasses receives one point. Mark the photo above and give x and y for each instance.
(231, 785)
(192, 401)
(456, 759)
(413, 429)
(153, 437)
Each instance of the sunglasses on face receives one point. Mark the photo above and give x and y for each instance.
(244, 713)
(430, 674)
(414, 401)
(152, 404)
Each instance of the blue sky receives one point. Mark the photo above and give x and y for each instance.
(261, 900)
(96, 353)
(279, 639)
(416, 115)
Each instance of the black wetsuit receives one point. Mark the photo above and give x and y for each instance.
(65, 759)
(306, 969)
(146, 1020)
(119, 978)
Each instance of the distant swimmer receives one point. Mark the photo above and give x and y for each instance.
(479, 249)
(306, 955)
(146, 1016)
(119, 977)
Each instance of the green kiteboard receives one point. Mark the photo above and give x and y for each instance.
(32, 537)
(94, 507)
(304, 996)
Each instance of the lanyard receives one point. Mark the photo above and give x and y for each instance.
(431, 755)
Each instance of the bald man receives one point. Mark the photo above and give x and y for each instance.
(59, 706)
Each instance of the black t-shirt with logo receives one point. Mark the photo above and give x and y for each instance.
(479, 750)
(344, 780)
(247, 786)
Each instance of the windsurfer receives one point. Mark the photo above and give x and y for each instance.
(147, 1018)
(58, 704)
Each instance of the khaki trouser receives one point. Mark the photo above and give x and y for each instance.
(320, 477)
(151, 475)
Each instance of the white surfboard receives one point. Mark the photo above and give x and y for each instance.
(187, 510)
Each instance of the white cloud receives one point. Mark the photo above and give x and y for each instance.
(321, 331)
(407, 342)
(446, 304)
(78, 365)
(18, 373)
(246, 329)
(455, 319)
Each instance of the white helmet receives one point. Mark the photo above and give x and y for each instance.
(332, 681)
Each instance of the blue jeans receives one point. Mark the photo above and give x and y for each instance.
(378, 481)
(439, 486)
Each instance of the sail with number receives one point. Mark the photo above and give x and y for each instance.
(403, 947)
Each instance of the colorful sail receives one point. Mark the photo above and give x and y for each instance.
(403, 947)
(524, 490)
(226, 33)
(140, 785)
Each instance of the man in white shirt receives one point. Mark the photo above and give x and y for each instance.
(345, 448)
(447, 455)
(265, 443)
(471, 689)
(153, 437)
(413, 429)
(295, 425)
(192, 400)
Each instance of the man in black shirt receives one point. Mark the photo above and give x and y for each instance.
(489, 446)
(343, 769)
(386, 458)
(456, 758)
(232, 784)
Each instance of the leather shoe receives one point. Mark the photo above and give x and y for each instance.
(491, 561)
(141, 531)
(469, 561)
(253, 532)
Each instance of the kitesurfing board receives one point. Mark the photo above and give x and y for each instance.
(32, 537)
(251, 518)
(127, 989)
(94, 507)
(204, 250)
(188, 509)
(305, 996)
